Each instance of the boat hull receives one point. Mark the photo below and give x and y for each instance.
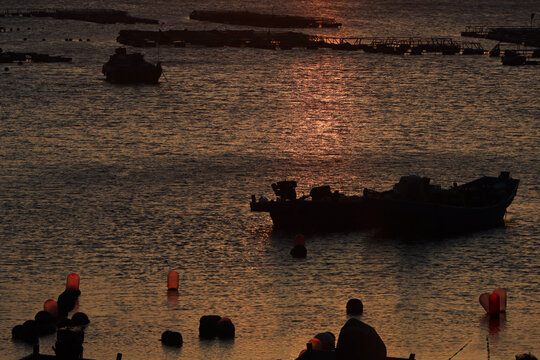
(384, 211)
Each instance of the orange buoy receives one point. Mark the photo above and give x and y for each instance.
(172, 281)
(72, 282)
(494, 305)
(502, 297)
(51, 306)
(316, 344)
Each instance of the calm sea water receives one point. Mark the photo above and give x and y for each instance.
(121, 184)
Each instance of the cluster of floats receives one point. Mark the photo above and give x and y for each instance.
(413, 205)
(355, 337)
(54, 318)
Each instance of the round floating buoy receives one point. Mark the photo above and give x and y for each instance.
(45, 323)
(72, 282)
(172, 281)
(484, 301)
(494, 305)
(17, 332)
(67, 301)
(80, 318)
(51, 306)
(299, 249)
(6, 69)
(315, 344)
(172, 338)
(27, 332)
(225, 328)
(355, 307)
(299, 252)
(44, 317)
(328, 341)
(502, 298)
(207, 326)
(299, 239)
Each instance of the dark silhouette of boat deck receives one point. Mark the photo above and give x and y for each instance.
(263, 20)
(101, 16)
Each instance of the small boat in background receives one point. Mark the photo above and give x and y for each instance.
(124, 68)
(413, 205)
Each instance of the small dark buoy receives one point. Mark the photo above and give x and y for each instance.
(172, 338)
(80, 318)
(528, 356)
(299, 249)
(17, 333)
(6, 69)
(225, 328)
(87, 39)
(299, 252)
(355, 307)
(207, 326)
(28, 332)
(67, 301)
(43, 39)
(24, 39)
(43, 317)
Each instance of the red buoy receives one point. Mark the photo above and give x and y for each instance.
(51, 306)
(72, 282)
(502, 297)
(299, 240)
(494, 305)
(172, 281)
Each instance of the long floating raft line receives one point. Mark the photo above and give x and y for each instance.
(100, 16)
(263, 20)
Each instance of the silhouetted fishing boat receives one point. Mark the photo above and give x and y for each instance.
(412, 205)
(123, 68)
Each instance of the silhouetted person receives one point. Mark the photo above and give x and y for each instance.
(359, 341)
